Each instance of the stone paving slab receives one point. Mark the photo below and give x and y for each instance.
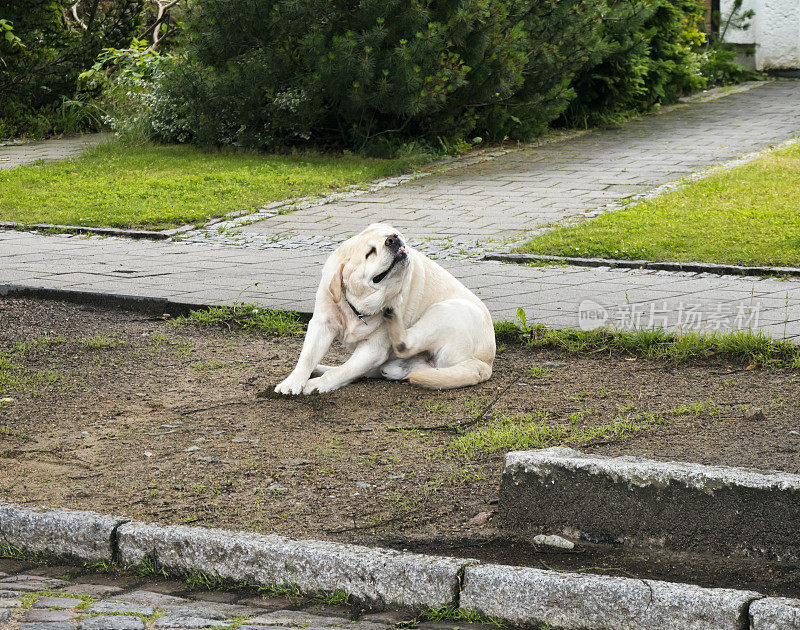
(561, 297)
(58, 149)
(523, 190)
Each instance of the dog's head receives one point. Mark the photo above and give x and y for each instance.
(369, 268)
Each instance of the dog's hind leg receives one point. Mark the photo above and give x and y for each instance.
(398, 369)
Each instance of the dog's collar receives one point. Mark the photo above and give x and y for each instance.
(359, 315)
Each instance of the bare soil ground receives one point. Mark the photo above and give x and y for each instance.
(122, 413)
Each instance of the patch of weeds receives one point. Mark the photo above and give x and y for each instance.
(148, 567)
(248, 317)
(439, 408)
(336, 598)
(539, 371)
(16, 377)
(693, 409)
(743, 346)
(284, 589)
(11, 552)
(501, 431)
(100, 342)
(452, 613)
(161, 342)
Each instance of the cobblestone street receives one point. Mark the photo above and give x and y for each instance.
(39, 597)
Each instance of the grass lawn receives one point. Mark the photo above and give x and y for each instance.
(748, 215)
(157, 187)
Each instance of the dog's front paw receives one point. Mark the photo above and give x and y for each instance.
(292, 385)
(319, 385)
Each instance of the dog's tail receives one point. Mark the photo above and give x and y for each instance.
(469, 372)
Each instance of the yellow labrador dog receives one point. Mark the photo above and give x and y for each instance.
(401, 315)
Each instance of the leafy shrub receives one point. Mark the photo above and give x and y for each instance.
(648, 55)
(42, 55)
(371, 74)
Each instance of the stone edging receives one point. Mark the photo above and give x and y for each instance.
(519, 595)
(696, 267)
(153, 235)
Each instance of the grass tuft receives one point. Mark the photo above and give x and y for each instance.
(745, 346)
(248, 317)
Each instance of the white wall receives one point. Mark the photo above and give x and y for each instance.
(775, 31)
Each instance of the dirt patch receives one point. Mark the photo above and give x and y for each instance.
(125, 414)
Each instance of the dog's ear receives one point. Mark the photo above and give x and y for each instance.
(335, 286)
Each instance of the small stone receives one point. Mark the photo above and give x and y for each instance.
(92, 590)
(190, 622)
(238, 440)
(794, 432)
(4, 593)
(57, 602)
(192, 611)
(480, 518)
(363, 484)
(389, 617)
(112, 622)
(120, 608)
(57, 625)
(554, 364)
(553, 541)
(276, 487)
(192, 449)
(148, 454)
(5, 615)
(145, 597)
(31, 583)
(43, 614)
(754, 413)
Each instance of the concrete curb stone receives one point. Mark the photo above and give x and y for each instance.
(378, 575)
(647, 503)
(775, 613)
(529, 596)
(71, 533)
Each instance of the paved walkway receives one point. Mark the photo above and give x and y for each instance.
(505, 198)
(502, 197)
(36, 597)
(59, 149)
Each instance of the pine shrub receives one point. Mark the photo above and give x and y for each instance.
(371, 74)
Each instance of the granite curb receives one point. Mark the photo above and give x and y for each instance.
(693, 267)
(517, 595)
(635, 502)
(153, 235)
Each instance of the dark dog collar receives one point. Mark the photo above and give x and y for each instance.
(359, 315)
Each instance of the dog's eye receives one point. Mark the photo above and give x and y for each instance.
(372, 251)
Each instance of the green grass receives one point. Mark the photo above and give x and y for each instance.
(248, 317)
(156, 187)
(748, 215)
(744, 346)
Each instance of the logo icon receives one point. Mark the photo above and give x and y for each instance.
(591, 315)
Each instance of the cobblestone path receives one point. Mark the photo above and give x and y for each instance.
(58, 149)
(40, 597)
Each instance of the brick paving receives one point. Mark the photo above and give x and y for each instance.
(513, 194)
(41, 597)
(500, 198)
(29, 152)
(563, 297)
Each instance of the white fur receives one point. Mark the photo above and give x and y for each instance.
(440, 334)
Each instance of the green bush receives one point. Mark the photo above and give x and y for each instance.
(371, 74)
(41, 55)
(648, 55)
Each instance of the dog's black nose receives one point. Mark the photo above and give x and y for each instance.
(393, 242)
